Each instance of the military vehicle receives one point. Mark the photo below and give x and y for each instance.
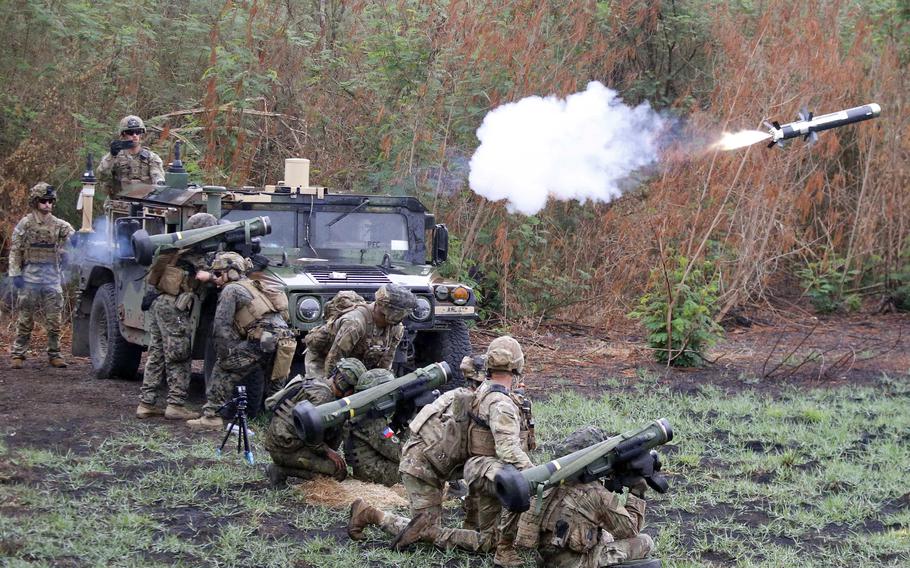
(320, 243)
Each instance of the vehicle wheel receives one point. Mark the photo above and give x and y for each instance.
(112, 355)
(451, 346)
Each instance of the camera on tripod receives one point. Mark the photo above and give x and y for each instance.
(236, 408)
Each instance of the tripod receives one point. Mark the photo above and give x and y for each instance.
(238, 420)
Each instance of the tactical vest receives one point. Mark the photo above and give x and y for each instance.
(131, 169)
(480, 437)
(246, 318)
(42, 242)
(443, 427)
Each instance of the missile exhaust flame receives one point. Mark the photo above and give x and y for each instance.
(741, 139)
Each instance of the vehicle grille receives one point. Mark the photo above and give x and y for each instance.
(353, 275)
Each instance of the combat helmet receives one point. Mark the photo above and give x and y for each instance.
(396, 302)
(505, 354)
(41, 190)
(346, 375)
(131, 122)
(373, 378)
(232, 263)
(200, 220)
(580, 439)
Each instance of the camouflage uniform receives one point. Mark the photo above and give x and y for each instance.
(584, 525)
(170, 338)
(37, 259)
(126, 167)
(370, 446)
(356, 334)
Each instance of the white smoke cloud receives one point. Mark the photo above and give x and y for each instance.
(581, 147)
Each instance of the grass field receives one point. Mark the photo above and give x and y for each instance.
(786, 479)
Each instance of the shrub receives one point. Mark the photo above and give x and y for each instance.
(823, 283)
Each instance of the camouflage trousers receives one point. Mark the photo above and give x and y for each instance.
(368, 464)
(605, 553)
(426, 498)
(483, 511)
(170, 352)
(245, 358)
(299, 458)
(46, 302)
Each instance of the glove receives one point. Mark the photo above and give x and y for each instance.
(341, 468)
(18, 282)
(637, 487)
(117, 145)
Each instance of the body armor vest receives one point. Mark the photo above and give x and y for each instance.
(480, 437)
(43, 246)
(246, 317)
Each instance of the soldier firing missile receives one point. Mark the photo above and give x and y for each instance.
(514, 488)
(807, 126)
(311, 421)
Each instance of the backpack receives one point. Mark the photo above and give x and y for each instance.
(320, 338)
(443, 426)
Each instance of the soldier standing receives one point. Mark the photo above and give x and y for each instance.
(246, 329)
(581, 525)
(36, 265)
(291, 456)
(370, 444)
(369, 332)
(173, 285)
(128, 161)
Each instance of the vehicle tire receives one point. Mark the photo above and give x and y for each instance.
(112, 355)
(450, 345)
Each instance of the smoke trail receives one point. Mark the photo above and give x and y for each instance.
(581, 147)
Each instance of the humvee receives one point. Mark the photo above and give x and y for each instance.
(320, 243)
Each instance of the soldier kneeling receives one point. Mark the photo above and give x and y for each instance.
(371, 446)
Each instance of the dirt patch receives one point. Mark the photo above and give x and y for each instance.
(328, 492)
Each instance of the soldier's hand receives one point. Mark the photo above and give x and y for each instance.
(341, 467)
(18, 282)
(117, 145)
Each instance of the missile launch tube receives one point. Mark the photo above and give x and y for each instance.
(311, 421)
(145, 246)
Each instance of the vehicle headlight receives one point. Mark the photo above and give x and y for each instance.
(309, 309)
(442, 293)
(423, 310)
(460, 295)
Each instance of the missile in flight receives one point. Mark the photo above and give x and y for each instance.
(807, 125)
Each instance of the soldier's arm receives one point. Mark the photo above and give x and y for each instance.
(389, 356)
(506, 426)
(105, 169)
(389, 448)
(231, 299)
(349, 333)
(16, 249)
(156, 168)
(621, 522)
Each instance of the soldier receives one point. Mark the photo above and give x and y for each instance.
(369, 332)
(173, 287)
(370, 444)
(584, 525)
(36, 263)
(291, 456)
(246, 328)
(128, 161)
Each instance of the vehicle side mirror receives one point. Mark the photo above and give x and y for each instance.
(440, 244)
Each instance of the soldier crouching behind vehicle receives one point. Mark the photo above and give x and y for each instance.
(371, 446)
(246, 329)
(291, 456)
(172, 287)
(36, 263)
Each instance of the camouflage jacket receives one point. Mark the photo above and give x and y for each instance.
(357, 335)
(125, 167)
(437, 447)
(232, 298)
(498, 432)
(579, 517)
(37, 249)
(281, 434)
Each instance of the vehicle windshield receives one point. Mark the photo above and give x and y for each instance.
(365, 236)
(283, 226)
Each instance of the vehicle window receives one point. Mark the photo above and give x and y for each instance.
(283, 225)
(373, 232)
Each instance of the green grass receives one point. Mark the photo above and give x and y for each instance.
(800, 478)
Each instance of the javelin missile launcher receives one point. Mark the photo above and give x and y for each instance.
(311, 421)
(514, 488)
(206, 239)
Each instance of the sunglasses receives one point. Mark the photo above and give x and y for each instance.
(136, 132)
(45, 200)
(217, 273)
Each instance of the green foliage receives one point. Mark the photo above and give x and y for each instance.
(691, 301)
(824, 283)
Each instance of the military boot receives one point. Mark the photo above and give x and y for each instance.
(57, 361)
(175, 412)
(361, 516)
(17, 362)
(206, 423)
(147, 411)
(422, 527)
(506, 556)
(278, 476)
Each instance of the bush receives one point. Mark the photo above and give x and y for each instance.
(691, 301)
(823, 282)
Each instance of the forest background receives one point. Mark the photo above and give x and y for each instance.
(386, 97)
